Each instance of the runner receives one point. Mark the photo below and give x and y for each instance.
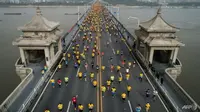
(147, 93)
(68, 55)
(60, 107)
(86, 65)
(129, 64)
(140, 77)
(123, 95)
(66, 63)
(94, 83)
(111, 68)
(85, 76)
(59, 66)
(74, 101)
(103, 89)
(66, 80)
(112, 77)
(97, 67)
(91, 76)
(117, 52)
(155, 93)
(127, 76)
(59, 82)
(108, 84)
(80, 108)
(47, 110)
(92, 63)
(118, 68)
(90, 107)
(75, 65)
(103, 68)
(138, 108)
(53, 83)
(147, 106)
(128, 90)
(127, 70)
(80, 75)
(113, 90)
(120, 79)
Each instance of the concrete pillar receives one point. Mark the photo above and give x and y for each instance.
(172, 54)
(22, 54)
(175, 55)
(151, 55)
(47, 56)
(26, 57)
(52, 51)
(59, 45)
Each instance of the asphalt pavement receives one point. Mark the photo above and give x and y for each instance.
(85, 90)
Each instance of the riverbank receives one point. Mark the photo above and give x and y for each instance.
(68, 6)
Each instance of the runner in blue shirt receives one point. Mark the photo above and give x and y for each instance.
(138, 108)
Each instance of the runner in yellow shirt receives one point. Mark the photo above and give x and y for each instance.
(60, 106)
(140, 77)
(91, 76)
(128, 90)
(52, 82)
(80, 75)
(120, 79)
(93, 55)
(147, 107)
(118, 68)
(108, 84)
(103, 68)
(80, 108)
(123, 95)
(127, 76)
(68, 55)
(103, 89)
(94, 83)
(79, 61)
(90, 107)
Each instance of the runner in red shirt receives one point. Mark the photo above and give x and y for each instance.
(74, 101)
(59, 82)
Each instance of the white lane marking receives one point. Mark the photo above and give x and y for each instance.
(129, 103)
(110, 39)
(152, 85)
(113, 51)
(69, 104)
(120, 74)
(69, 46)
(77, 72)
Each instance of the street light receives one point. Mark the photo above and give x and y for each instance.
(130, 17)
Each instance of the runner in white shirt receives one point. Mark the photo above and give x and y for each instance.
(155, 93)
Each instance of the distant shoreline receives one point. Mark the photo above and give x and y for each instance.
(56, 6)
(120, 5)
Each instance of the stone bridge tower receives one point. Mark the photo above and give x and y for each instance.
(157, 43)
(40, 42)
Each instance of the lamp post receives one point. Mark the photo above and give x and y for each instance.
(130, 17)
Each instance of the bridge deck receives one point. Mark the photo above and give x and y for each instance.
(87, 93)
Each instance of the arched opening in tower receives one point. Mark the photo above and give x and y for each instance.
(162, 56)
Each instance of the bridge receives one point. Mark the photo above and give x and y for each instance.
(35, 93)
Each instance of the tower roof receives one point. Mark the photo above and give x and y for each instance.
(39, 23)
(158, 24)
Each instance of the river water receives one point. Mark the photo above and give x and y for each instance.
(186, 19)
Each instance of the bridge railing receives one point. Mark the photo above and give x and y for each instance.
(189, 101)
(184, 95)
(17, 91)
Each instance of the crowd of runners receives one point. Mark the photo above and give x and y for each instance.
(88, 37)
